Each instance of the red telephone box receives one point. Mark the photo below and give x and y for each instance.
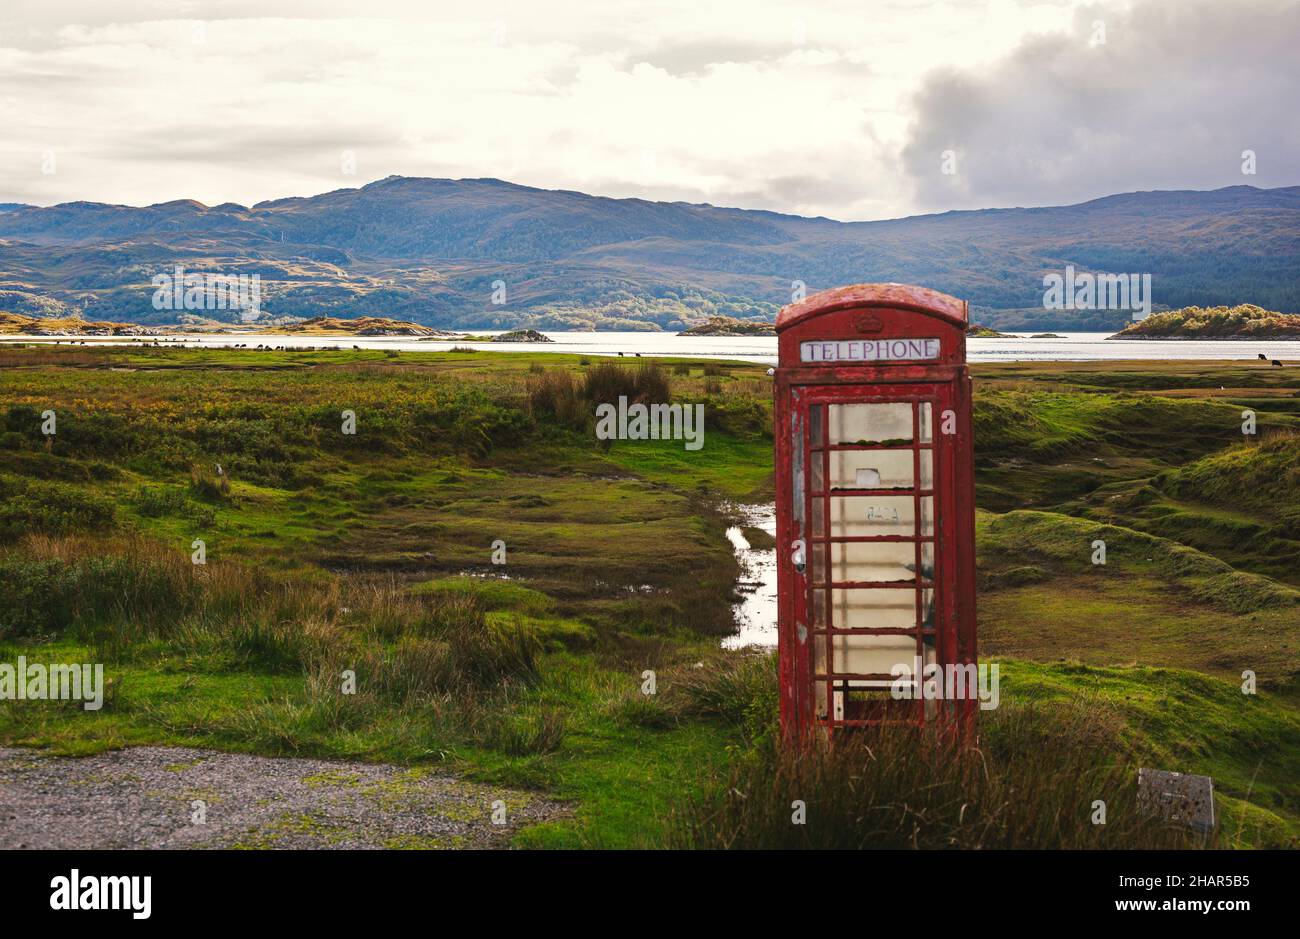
(875, 508)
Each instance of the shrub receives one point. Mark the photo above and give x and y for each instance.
(607, 382)
(160, 501)
(472, 422)
(29, 506)
(554, 396)
(44, 596)
(652, 385)
(207, 484)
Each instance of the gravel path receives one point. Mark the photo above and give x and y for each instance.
(179, 797)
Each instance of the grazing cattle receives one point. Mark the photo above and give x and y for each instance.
(1262, 357)
(1277, 363)
(620, 355)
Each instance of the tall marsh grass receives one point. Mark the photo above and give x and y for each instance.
(556, 395)
(1032, 782)
(120, 594)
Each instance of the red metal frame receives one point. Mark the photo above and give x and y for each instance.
(804, 394)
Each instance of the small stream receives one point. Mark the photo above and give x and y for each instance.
(756, 611)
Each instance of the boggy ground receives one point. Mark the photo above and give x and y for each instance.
(373, 553)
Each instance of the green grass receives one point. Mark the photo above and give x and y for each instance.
(1044, 448)
(1154, 601)
(1178, 719)
(1064, 736)
(1237, 503)
(623, 778)
(375, 552)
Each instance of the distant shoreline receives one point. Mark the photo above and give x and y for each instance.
(633, 346)
(1286, 337)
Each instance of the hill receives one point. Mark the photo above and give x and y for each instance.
(1221, 322)
(485, 253)
(17, 324)
(730, 326)
(361, 326)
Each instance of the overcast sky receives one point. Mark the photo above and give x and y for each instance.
(856, 110)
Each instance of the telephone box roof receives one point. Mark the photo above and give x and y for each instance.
(897, 296)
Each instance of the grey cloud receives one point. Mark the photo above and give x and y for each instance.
(779, 193)
(691, 58)
(1179, 89)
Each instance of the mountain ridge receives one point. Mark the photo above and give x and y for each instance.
(270, 203)
(434, 250)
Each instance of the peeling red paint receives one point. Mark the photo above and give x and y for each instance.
(876, 557)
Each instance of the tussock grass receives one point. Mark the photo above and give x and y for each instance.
(535, 732)
(1064, 736)
(557, 395)
(740, 689)
(607, 382)
(207, 484)
(174, 502)
(53, 586)
(737, 689)
(632, 708)
(125, 593)
(1032, 784)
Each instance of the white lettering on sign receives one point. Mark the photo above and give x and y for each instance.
(869, 350)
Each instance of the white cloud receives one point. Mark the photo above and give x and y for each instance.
(803, 108)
